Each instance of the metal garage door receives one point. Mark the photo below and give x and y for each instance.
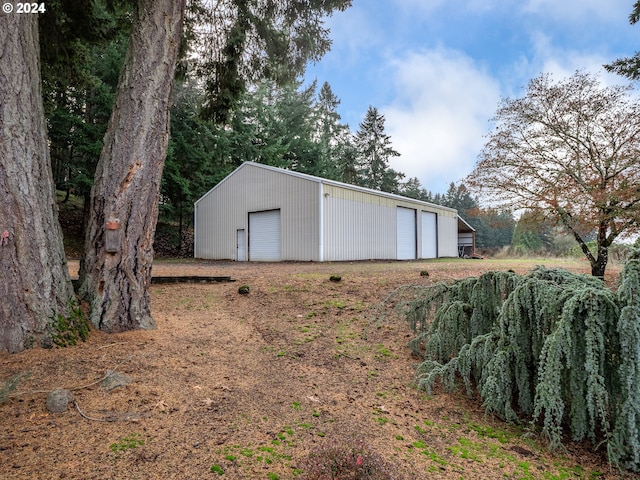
(429, 235)
(264, 236)
(406, 233)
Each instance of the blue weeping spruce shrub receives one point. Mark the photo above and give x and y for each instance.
(559, 349)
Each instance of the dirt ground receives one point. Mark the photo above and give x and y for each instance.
(237, 386)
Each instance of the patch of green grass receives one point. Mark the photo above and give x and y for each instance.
(419, 444)
(486, 431)
(384, 352)
(466, 449)
(381, 420)
(296, 406)
(434, 457)
(217, 469)
(129, 442)
(576, 471)
(339, 304)
(522, 471)
(247, 452)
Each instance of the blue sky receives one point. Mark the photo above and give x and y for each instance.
(437, 69)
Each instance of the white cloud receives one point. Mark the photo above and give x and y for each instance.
(579, 9)
(431, 6)
(564, 62)
(439, 115)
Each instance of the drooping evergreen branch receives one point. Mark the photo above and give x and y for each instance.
(553, 347)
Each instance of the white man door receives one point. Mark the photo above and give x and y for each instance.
(264, 236)
(241, 246)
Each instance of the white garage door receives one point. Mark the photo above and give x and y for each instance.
(264, 236)
(429, 235)
(406, 233)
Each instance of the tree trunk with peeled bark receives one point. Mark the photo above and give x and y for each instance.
(127, 181)
(34, 279)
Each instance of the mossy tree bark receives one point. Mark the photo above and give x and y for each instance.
(128, 174)
(34, 280)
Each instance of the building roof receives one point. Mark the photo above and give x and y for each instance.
(326, 181)
(463, 226)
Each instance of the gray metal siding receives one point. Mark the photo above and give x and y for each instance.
(224, 210)
(355, 230)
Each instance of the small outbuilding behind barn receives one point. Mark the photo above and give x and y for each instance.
(263, 213)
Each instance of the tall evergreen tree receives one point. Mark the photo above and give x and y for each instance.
(329, 131)
(196, 159)
(374, 152)
(245, 41)
(412, 188)
(346, 159)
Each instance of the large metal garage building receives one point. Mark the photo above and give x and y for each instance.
(263, 213)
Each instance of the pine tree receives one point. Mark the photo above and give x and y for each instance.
(329, 132)
(374, 152)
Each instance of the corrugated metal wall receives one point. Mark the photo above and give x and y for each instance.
(224, 210)
(357, 230)
(362, 226)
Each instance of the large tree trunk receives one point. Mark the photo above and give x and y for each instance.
(34, 280)
(128, 174)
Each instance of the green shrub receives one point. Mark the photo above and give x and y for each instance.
(551, 346)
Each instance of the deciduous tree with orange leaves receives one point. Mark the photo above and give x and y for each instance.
(569, 151)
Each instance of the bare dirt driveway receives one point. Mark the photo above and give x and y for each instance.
(237, 386)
